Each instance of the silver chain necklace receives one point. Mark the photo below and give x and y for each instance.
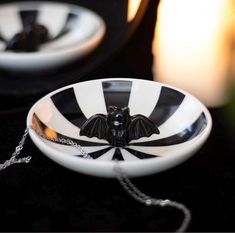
(125, 182)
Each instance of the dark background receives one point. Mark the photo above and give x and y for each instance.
(43, 196)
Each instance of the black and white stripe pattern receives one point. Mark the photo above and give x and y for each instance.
(65, 25)
(178, 117)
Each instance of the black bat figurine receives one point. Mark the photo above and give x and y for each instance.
(29, 39)
(118, 127)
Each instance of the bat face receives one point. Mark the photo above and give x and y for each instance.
(118, 118)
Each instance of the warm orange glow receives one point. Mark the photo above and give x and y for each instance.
(133, 6)
(50, 133)
(36, 125)
(192, 46)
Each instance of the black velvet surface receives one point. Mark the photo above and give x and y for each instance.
(43, 196)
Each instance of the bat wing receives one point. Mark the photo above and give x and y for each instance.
(95, 126)
(141, 126)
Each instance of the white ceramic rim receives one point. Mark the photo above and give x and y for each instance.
(131, 168)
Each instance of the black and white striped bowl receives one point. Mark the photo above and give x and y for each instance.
(74, 32)
(183, 121)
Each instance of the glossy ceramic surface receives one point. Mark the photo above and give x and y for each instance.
(184, 124)
(73, 32)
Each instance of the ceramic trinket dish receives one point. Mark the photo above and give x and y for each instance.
(182, 124)
(40, 35)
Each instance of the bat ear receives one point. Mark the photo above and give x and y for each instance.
(111, 109)
(126, 110)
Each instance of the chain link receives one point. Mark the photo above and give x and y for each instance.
(135, 193)
(125, 182)
(64, 141)
(18, 149)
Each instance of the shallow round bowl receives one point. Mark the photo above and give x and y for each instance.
(184, 124)
(73, 32)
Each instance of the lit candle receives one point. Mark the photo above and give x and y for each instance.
(192, 47)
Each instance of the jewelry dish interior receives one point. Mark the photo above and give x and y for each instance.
(184, 124)
(73, 32)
